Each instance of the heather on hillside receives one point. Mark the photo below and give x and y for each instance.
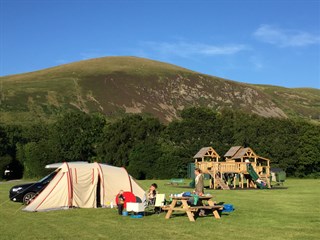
(114, 86)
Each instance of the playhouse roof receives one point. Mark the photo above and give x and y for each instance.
(206, 152)
(244, 152)
(232, 151)
(239, 152)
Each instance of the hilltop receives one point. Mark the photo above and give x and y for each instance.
(118, 85)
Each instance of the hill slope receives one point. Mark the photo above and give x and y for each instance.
(117, 85)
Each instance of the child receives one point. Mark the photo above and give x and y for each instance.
(121, 200)
(151, 195)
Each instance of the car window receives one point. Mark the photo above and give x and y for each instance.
(48, 178)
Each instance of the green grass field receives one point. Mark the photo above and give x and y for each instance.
(292, 213)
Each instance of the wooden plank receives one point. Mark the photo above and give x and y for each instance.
(173, 204)
(216, 214)
(186, 206)
(196, 208)
(190, 209)
(165, 208)
(179, 209)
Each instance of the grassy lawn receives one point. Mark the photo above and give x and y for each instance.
(292, 213)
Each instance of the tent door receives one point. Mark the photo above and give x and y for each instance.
(98, 197)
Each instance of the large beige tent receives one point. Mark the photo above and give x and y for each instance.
(84, 185)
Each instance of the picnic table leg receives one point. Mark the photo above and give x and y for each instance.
(215, 211)
(189, 213)
(172, 205)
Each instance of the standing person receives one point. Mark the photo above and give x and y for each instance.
(121, 199)
(151, 194)
(199, 188)
(199, 182)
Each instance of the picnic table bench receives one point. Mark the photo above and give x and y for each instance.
(207, 202)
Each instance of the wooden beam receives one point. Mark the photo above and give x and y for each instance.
(242, 180)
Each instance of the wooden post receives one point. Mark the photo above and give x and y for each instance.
(172, 205)
(268, 182)
(242, 180)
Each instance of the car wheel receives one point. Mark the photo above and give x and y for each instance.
(28, 197)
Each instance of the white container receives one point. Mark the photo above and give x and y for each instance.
(135, 207)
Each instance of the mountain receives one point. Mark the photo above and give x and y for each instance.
(118, 85)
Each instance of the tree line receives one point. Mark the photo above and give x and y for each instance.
(150, 149)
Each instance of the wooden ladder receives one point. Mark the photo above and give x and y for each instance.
(222, 183)
(219, 181)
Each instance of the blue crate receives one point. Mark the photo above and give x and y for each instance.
(228, 208)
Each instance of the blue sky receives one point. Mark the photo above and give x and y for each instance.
(273, 42)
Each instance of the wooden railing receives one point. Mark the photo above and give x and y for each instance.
(229, 167)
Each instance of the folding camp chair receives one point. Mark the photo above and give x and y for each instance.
(156, 206)
(160, 202)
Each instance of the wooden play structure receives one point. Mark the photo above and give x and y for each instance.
(241, 166)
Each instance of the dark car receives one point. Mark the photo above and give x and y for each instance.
(26, 192)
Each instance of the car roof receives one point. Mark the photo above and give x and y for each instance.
(57, 165)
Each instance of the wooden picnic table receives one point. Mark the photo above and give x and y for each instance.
(207, 203)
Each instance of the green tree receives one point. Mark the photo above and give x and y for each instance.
(143, 158)
(121, 137)
(35, 156)
(76, 136)
(308, 151)
(10, 135)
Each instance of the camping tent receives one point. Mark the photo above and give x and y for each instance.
(85, 185)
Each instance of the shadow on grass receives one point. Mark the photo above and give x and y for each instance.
(255, 189)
